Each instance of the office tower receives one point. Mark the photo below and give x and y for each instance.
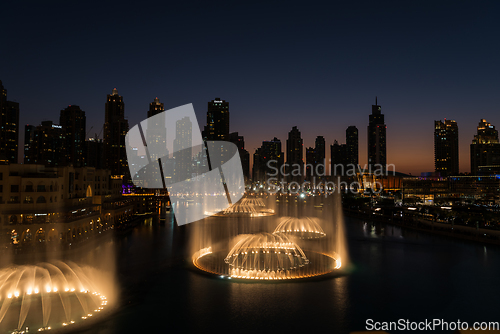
(377, 157)
(115, 129)
(315, 159)
(183, 150)
(294, 155)
(73, 121)
(310, 163)
(339, 156)
(257, 174)
(485, 147)
(319, 156)
(95, 153)
(29, 141)
(217, 127)
(267, 159)
(9, 128)
(156, 137)
(239, 141)
(351, 138)
(45, 144)
(446, 147)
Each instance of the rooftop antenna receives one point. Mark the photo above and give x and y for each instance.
(376, 101)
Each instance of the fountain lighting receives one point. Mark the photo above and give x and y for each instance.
(303, 228)
(52, 306)
(250, 207)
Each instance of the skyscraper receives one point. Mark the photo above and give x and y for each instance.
(294, 155)
(156, 137)
(446, 147)
(45, 144)
(377, 157)
(315, 159)
(339, 158)
(351, 138)
(485, 147)
(115, 129)
(73, 122)
(269, 154)
(217, 127)
(9, 128)
(239, 141)
(183, 150)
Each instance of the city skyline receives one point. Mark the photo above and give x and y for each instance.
(318, 68)
(362, 151)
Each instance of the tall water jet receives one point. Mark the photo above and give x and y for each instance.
(340, 233)
(49, 296)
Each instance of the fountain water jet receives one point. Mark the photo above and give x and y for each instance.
(48, 296)
(303, 228)
(236, 246)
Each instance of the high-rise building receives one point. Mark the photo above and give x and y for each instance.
(95, 150)
(29, 140)
(73, 121)
(217, 127)
(446, 147)
(351, 139)
(115, 129)
(315, 159)
(377, 156)
(239, 141)
(485, 148)
(45, 144)
(183, 150)
(294, 155)
(9, 128)
(156, 137)
(269, 154)
(339, 158)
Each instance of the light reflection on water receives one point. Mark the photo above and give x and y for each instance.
(398, 274)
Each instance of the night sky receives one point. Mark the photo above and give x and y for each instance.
(317, 66)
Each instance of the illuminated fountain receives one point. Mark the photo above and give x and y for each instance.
(303, 228)
(265, 256)
(304, 242)
(251, 207)
(49, 296)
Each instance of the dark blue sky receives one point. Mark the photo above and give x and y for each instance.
(315, 65)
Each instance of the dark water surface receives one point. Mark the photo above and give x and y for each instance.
(397, 274)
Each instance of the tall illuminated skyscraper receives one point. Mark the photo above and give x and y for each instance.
(446, 147)
(315, 159)
(485, 148)
(9, 128)
(269, 154)
(183, 151)
(45, 144)
(73, 122)
(115, 129)
(217, 127)
(377, 156)
(156, 137)
(294, 155)
(351, 139)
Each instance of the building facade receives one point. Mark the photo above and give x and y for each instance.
(115, 129)
(446, 147)
(485, 148)
(294, 155)
(377, 154)
(9, 128)
(61, 205)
